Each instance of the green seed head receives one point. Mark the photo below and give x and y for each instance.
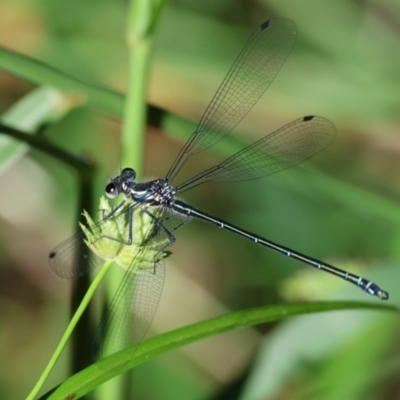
(145, 242)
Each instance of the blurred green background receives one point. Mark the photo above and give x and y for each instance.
(343, 206)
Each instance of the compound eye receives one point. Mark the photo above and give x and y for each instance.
(112, 190)
(129, 174)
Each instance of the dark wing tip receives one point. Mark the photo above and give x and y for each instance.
(309, 118)
(281, 23)
(265, 24)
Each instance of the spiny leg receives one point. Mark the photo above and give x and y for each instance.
(159, 224)
(130, 224)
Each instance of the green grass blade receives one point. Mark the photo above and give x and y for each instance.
(27, 68)
(42, 105)
(93, 376)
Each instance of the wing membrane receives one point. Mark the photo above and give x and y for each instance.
(136, 300)
(72, 258)
(249, 77)
(284, 148)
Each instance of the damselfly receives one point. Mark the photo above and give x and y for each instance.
(249, 77)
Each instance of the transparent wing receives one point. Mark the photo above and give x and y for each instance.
(72, 258)
(249, 77)
(136, 300)
(288, 146)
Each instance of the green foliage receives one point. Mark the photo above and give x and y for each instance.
(343, 207)
(93, 376)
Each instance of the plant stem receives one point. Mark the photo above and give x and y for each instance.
(134, 128)
(140, 43)
(77, 162)
(70, 328)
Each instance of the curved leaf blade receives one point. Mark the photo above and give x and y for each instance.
(93, 376)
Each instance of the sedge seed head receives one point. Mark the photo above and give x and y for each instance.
(145, 243)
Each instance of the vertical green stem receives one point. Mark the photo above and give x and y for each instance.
(71, 326)
(134, 129)
(140, 43)
(140, 27)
